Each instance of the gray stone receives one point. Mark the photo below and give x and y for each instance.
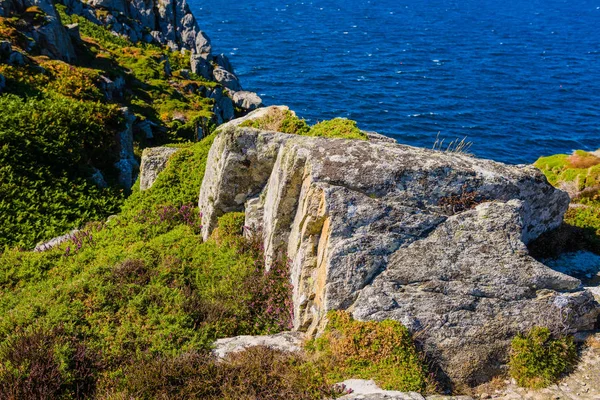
(2, 83)
(73, 31)
(154, 161)
(223, 61)
(170, 22)
(184, 73)
(435, 240)
(374, 137)
(98, 178)
(202, 44)
(368, 389)
(227, 79)
(57, 241)
(247, 100)
(284, 341)
(127, 165)
(200, 66)
(16, 58)
(224, 109)
(5, 49)
(51, 36)
(145, 127)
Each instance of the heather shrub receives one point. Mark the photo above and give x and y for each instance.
(40, 364)
(256, 373)
(538, 360)
(383, 351)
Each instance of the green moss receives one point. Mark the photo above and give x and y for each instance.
(338, 128)
(537, 359)
(383, 351)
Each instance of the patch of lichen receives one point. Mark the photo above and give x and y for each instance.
(383, 351)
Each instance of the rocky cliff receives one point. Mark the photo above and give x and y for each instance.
(435, 240)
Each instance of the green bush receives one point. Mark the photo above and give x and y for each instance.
(538, 360)
(48, 148)
(383, 351)
(338, 128)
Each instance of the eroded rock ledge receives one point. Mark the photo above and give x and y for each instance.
(435, 240)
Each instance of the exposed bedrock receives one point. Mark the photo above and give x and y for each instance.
(435, 240)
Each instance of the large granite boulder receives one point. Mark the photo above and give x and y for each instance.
(433, 239)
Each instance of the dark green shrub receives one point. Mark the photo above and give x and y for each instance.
(48, 146)
(538, 360)
(383, 351)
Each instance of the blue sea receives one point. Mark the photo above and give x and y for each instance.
(518, 78)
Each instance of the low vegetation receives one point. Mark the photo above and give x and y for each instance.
(143, 286)
(383, 351)
(59, 123)
(579, 174)
(538, 360)
(45, 186)
(286, 121)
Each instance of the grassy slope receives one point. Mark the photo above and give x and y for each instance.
(56, 124)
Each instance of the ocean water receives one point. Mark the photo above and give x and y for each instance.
(518, 78)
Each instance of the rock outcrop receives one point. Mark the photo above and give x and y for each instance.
(48, 32)
(169, 22)
(435, 240)
(154, 160)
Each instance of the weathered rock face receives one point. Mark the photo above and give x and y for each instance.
(435, 240)
(52, 37)
(154, 160)
(169, 22)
